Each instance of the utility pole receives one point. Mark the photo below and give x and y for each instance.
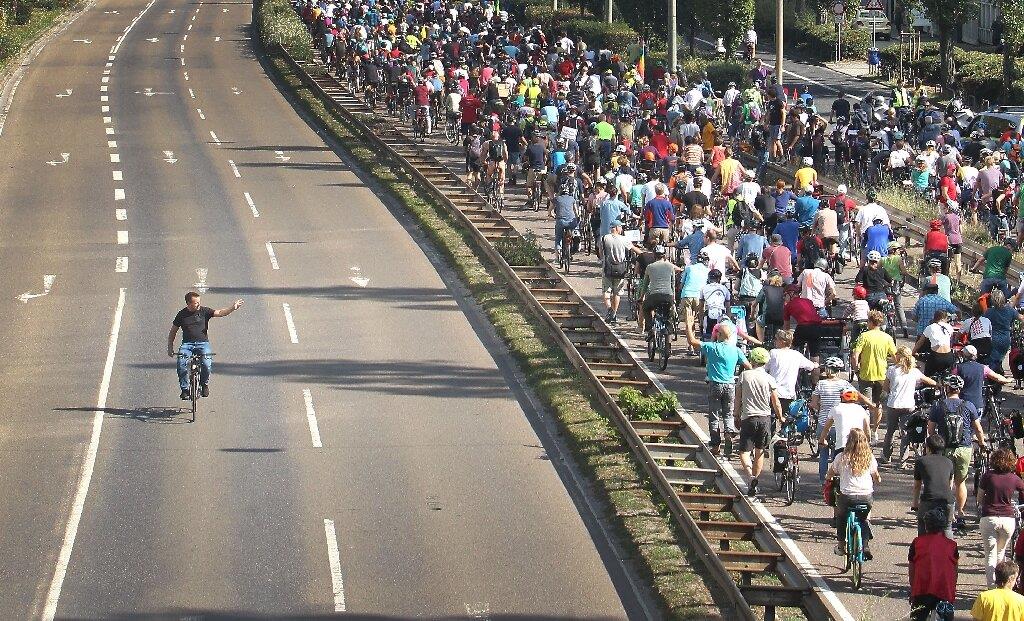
(673, 38)
(609, 13)
(778, 41)
(554, 6)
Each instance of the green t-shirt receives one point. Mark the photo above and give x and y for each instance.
(997, 261)
(605, 131)
(891, 265)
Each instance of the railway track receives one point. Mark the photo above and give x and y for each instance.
(747, 555)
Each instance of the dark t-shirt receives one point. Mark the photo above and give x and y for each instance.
(1000, 491)
(644, 260)
(513, 137)
(194, 325)
(841, 107)
(935, 472)
(774, 112)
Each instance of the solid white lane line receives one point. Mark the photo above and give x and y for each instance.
(201, 115)
(119, 194)
(334, 558)
(252, 206)
(216, 140)
(121, 265)
(292, 334)
(273, 257)
(121, 214)
(78, 504)
(118, 175)
(120, 40)
(122, 238)
(234, 169)
(314, 429)
(114, 158)
(191, 93)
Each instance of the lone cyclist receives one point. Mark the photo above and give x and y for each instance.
(194, 321)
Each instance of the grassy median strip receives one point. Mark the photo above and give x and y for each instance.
(20, 30)
(641, 521)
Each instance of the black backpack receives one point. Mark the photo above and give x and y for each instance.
(953, 424)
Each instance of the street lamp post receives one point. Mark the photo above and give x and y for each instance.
(778, 41)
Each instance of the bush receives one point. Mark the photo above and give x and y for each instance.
(818, 41)
(600, 35)
(520, 251)
(721, 72)
(279, 24)
(637, 406)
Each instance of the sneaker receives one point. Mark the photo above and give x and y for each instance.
(613, 320)
(866, 552)
(752, 490)
(184, 395)
(205, 390)
(959, 524)
(840, 549)
(608, 316)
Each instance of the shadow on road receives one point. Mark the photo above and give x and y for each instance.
(167, 416)
(205, 615)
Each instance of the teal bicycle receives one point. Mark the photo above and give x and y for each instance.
(855, 543)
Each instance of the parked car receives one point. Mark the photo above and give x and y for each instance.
(878, 20)
(993, 123)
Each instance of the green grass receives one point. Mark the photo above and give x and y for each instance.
(638, 518)
(15, 38)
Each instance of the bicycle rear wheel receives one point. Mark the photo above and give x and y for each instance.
(666, 347)
(857, 568)
(790, 489)
(652, 347)
(193, 389)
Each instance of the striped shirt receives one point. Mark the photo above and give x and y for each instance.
(828, 392)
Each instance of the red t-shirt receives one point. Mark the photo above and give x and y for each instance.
(952, 190)
(936, 241)
(470, 107)
(780, 258)
(660, 142)
(800, 310)
(933, 563)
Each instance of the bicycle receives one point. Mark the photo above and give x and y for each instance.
(979, 462)
(658, 340)
(451, 128)
(565, 250)
(586, 234)
(195, 369)
(786, 458)
(420, 124)
(855, 543)
(537, 191)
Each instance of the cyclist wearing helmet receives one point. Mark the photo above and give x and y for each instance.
(937, 278)
(958, 421)
(877, 236)
(823, 400)
(895, 264)
(936, 246)
(875, 279)
(756, 401)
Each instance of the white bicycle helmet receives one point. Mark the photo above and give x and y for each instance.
(834, 363)
(874, 255)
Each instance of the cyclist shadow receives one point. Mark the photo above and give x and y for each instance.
(162, 415)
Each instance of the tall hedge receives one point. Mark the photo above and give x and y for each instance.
(279, 24)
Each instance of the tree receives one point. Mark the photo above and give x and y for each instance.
(728, 20)
(947, 15)
(1013, 40)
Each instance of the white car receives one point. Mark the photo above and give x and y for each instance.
(878, 20)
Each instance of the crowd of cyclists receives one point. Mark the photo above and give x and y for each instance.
(664, 177)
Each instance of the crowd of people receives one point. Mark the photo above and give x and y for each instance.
(666, 175)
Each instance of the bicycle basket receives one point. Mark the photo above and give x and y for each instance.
(917, 428)
(780, 456)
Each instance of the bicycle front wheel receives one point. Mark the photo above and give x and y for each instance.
(790, 490)
(666, 349)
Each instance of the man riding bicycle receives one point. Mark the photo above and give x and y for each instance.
(496, 154)
(194, 321)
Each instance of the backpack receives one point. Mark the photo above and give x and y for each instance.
(715, 303)
(751, 283)
(476, 148)
(614, 269)
(917, 428)
(953, 425)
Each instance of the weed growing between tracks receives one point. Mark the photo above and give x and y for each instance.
(638, 518)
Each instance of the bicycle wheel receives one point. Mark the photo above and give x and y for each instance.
(790, 488)
(193, 389)
(857, 558)
(652, 347)
(666, 347)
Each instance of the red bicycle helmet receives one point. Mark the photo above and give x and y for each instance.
(936, 224)
(860, 292)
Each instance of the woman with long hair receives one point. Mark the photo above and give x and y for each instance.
(978, 331)
(858, 472)
(999, 489)
(901, 381)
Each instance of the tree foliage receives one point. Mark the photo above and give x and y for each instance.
(1013, 40)
(728, 20)
(947, 15)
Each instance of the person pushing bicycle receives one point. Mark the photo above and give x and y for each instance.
(194, 322)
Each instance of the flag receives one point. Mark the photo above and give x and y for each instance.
(640, 68)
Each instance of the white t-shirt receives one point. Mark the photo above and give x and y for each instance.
(969, 177)
(784, 365)
(938, 334)
(814, 284)
(899, 158)
(902, 386)
(717, 254)
(845, 417)
(749, 190)
(866, 215)
(855, 485)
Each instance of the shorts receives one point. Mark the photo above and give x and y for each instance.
(612, 286)
(871, 388)
(655, 300)
(754, 432)
(775, 132)
(808, 334)
(514, 157)
(532, 175)
(961, 457)
(659, 235)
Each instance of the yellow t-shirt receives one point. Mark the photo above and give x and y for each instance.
(803, 178)
(874, 348)
(998, 605)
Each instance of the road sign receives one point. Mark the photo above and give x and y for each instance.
(874, 5)
(839, 9)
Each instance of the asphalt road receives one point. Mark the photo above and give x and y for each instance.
(367, 446)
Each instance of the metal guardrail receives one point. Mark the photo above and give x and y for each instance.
(692, 482)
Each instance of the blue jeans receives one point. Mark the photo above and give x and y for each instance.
(187, 349)
(987, 284)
